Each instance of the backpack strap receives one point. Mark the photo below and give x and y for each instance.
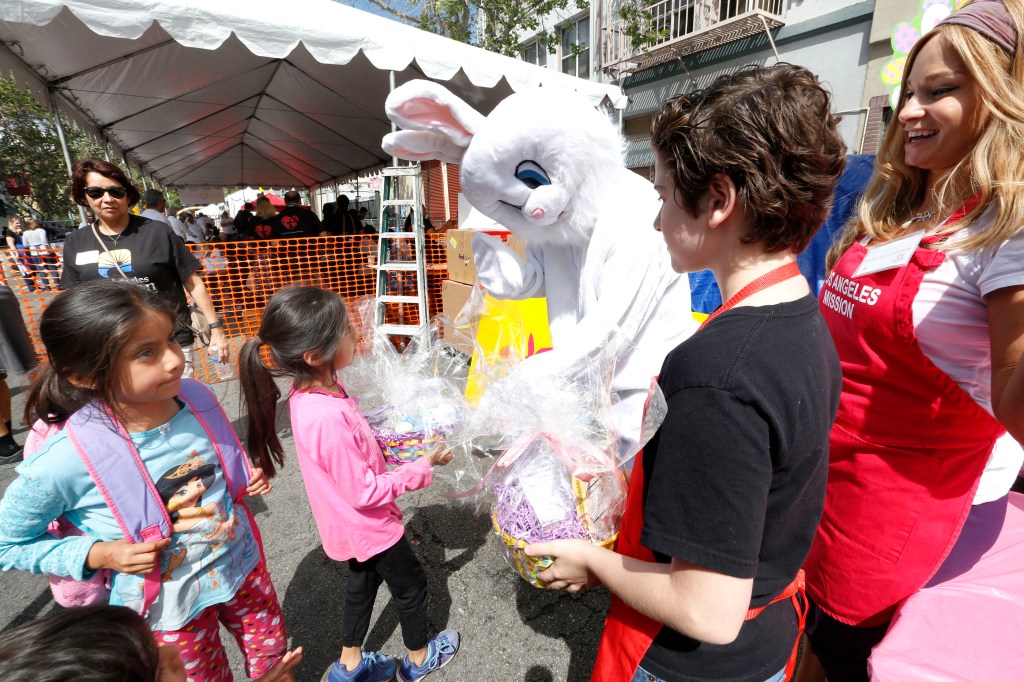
(207, 410)
(142, 518)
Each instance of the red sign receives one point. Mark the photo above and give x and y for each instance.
(17, 185)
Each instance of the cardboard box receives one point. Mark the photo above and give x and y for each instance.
(454, 296)
(459, 253)
(518, 245)
(459, 256)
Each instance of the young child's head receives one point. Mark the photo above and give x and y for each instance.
(105, 340)
(768, 129)
(99, 643)
(309, 335)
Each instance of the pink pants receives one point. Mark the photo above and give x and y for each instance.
(254, 618)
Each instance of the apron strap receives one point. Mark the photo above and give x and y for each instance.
(796, 592)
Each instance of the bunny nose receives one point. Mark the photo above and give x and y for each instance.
(538, 213)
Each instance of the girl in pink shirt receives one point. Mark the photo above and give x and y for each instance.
(350, 490)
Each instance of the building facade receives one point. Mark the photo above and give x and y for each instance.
(846, 42)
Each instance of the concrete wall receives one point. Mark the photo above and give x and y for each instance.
(839, 57)
(887, 14)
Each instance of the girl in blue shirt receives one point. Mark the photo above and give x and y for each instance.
(112, 344)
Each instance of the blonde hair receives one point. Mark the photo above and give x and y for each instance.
(264, 209)
(992, 169)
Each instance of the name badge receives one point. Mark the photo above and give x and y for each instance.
(894, 254)
(87, 257)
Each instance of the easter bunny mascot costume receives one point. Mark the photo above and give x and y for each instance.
(549, 167)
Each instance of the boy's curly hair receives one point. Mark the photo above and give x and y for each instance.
(769, 129)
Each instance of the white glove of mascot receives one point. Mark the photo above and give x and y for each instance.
(549, 167)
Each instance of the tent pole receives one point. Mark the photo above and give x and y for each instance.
(63, 141)
(394, 128)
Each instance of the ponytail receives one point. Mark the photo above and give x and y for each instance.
(261, 396)
(53, 398)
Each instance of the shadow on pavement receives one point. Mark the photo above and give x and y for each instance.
(576, 619)
(313, 602)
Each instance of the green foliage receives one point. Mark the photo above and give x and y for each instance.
(638, 24)
(495, 25)
(29, 144)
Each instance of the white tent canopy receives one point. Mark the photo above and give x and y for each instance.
(244, 92)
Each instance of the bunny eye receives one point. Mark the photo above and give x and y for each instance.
(531, 175)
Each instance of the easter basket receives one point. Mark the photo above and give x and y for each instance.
(404, 438)
(550, 491)
(408, 446)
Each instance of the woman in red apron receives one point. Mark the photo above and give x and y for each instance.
(724, 500)
(926, 306)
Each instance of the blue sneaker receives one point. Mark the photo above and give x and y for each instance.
(374, 667)
(440, 651)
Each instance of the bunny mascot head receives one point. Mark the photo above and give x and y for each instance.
(512, 172)
(549, 167)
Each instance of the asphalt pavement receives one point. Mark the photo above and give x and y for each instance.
(510, 630)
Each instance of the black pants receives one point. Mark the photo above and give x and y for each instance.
(398, 567)
(842, 649)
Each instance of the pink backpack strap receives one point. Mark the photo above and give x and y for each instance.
(38, 434)
(234, 461)
(141, 517)
(210, 415)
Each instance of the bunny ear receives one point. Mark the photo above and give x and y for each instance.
(417, 145)
(425, 105)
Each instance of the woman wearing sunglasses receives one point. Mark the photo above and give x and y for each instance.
(121, 244)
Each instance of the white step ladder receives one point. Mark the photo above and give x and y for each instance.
(401, 254)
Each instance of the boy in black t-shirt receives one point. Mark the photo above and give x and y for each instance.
(724, 501)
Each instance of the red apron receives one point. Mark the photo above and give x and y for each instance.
(906, 452)
(627, 633)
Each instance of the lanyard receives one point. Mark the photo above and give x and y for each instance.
(769, 279)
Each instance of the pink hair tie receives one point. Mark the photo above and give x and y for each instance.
(990, 18)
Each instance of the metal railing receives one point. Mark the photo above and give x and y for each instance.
(688, 26)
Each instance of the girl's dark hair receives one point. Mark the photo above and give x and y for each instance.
(108, 170)
(772, 132)
(84, 330)
(100, 643)
(297, 321)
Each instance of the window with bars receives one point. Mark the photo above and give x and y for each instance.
(576, 48)
(536, 53)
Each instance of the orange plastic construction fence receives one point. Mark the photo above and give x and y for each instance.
(241, 276)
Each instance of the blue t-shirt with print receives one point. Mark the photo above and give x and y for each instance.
(212, 547)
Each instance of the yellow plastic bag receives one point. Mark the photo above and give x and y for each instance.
(508, 331)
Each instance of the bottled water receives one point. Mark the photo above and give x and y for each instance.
(225, 370)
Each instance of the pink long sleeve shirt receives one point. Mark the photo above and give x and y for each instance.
(349, 487)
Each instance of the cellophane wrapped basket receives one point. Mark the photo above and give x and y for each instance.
(405, 435)
(413, 398)
(551, 490)
(557, 474)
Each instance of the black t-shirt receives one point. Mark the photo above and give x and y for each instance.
(8, 232)
(242, 220)
(148, 252)
(263, 228)
(734, 480)
(295, 221)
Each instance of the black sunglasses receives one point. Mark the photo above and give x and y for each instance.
(115, 191)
